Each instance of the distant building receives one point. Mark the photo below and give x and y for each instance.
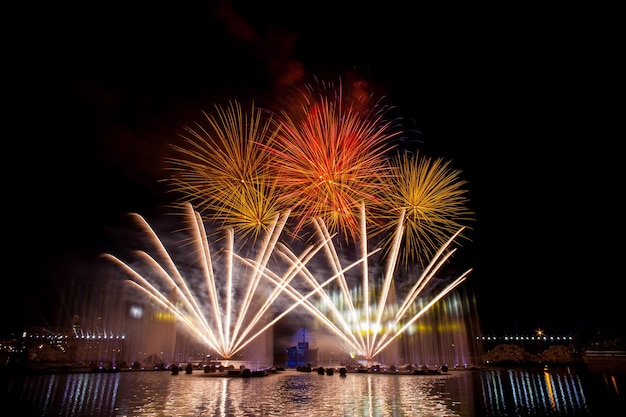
(301, 354)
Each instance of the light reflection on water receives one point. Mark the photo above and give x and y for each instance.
(291, 393)
(286, 394)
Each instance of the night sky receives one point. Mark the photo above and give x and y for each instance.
(521, 101)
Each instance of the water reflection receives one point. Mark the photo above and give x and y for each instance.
(286, 394)
(523, 392)
(63, 395)
(560, 392)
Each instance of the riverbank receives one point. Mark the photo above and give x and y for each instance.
(595, 362)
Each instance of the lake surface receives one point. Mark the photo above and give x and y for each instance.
(486, 392)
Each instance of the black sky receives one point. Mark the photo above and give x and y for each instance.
(522, 101)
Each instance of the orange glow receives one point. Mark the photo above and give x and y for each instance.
(550, 389)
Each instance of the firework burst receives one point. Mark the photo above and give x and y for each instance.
(330, 154)
(222, 170)
(433, 199)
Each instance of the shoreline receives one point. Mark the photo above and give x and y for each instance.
(602, 361)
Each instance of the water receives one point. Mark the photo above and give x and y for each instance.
(488, 392)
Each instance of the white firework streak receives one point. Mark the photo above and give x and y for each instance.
(223, 327)
(360, 329)
(227, 330)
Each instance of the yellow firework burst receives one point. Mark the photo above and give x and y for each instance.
(222, 169)
(434, 201)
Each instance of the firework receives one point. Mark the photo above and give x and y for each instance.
(223, 170)
(320, 157)
(365, 324)
(433, 199)
(225, 305)
(321, 163)
(330, 152)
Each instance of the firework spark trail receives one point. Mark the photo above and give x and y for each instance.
(206, 265)
(190, 312)
(377, 337)
(267, 247)
(339, 275)
(390, 336)
(335, 264)
(172, 275)
(155, 293)
(365, 279)
(227, 337)
(389, 272)
(427, 275)
(230, 338)
(299, 267)
(372, 345)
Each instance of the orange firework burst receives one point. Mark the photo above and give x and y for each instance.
(433, 199)
(223, 169)
(330, 154)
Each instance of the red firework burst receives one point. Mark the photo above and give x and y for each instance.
(330, 153)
